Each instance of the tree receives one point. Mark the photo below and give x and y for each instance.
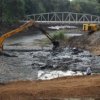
(98, 1)
(34, 6)
(12, 10)
(1, 11)
(75, 7)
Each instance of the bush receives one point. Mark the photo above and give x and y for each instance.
(59, 35)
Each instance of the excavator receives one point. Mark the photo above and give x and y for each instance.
(91, 28)
(28, 24)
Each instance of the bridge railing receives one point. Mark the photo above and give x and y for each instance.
(64, 17)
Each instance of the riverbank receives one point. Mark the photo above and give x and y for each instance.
(88, 42)
(66, 87)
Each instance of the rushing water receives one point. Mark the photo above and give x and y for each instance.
(41, 62)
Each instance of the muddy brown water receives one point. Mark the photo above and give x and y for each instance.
(27, 63)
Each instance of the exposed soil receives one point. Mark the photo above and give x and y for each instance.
(66, 87)
(90, 42)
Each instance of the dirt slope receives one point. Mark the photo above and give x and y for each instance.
(90, 42)
(78, 86)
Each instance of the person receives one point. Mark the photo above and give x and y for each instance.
(88, 71)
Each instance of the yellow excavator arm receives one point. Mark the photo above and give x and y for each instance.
(23, 27)
(9, 34)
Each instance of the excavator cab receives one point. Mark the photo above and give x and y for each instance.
(90, 28)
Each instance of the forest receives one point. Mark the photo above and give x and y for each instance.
(13, 10)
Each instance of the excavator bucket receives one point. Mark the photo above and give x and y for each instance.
(55, 44)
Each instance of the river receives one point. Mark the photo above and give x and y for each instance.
(40, 62)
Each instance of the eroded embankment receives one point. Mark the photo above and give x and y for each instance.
(90, 42)
(67, 87)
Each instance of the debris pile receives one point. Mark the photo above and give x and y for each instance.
(90, 42)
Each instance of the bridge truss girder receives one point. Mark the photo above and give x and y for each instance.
(64, 17)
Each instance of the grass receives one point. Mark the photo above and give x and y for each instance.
(59, 35)
(56, 35)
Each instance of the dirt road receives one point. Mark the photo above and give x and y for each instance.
(78, 86)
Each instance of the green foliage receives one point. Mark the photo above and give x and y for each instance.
(58, 35)
(34, 6)
(0, 11)
(98, 1)
(86, 6)
(56, 5)
(13, 10)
